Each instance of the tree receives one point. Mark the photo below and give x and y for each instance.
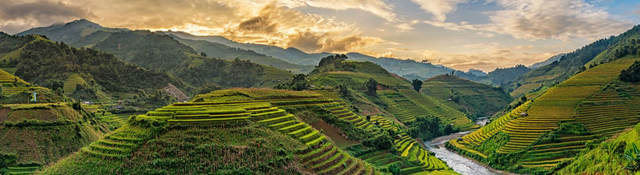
(372, 86)
(417, 84)
(300, 82)
(632, 74)
(332, 59)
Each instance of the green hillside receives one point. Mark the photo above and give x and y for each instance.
(608, 157)
(475, 99)
(560, 70)
(86, 74)
(394, 95)
(34, 134)
(549, 130)
(161, 52)
(247, 131)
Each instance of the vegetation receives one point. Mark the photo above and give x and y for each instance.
(428, 127)
(632, 74)
(162, 53)
(298, 83)
(475, 99)
(417, 84)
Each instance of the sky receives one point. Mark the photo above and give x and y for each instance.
(462, 34)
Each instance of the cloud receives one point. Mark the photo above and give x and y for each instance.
(438, 8)
(489, 57)
(16, 16)
(376, 7)
(534, 19)
(558, 19)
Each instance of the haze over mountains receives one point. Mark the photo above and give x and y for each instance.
(84, 33)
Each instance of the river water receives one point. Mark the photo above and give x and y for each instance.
(457, 162)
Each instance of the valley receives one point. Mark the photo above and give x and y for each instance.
(319, 87)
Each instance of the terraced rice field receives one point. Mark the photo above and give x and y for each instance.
(19, 170)
(411, 149)
(341, 112)
(322, 156)
(118, 145)
(406, 105)
(583, 98)
(13, 90)
(403, 108)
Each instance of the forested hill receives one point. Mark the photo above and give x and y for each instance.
(84, 33)
(159, 52)
(84, 74)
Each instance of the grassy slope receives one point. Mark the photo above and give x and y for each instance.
(607, 157)
(587, 91)
(475, 99)
(391, 87)
(36, 134)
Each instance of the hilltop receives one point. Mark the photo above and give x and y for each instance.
(475, 99)
(254, 131)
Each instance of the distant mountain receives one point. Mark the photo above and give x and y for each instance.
(475, 99)
(291, 55)
(477, 72)
(230, 53)
(547, 62)
(503, 76)
(409, 69)
(160, 52)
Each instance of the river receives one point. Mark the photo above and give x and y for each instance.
(457, 162)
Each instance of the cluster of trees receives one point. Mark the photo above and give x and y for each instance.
(334, 63)
(428, 127)
(50, 64)
(632, 74)
(298, 82)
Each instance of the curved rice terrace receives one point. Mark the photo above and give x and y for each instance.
(240, 108)
(553, 128)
